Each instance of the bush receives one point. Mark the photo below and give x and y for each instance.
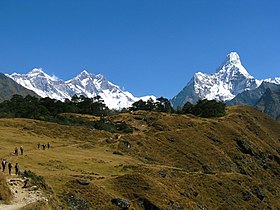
(159, 105)
(110, 126)
(205, 108)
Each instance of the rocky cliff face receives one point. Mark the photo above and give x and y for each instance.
(269, 103)
(251, 97)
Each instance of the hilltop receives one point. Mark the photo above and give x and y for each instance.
(169, 161)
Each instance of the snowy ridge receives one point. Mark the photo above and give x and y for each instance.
(43, 84)
(85, 83)
(91, 85)
(230, 79)
(276, 80)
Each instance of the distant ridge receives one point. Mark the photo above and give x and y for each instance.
(251, 97)
(85, 83)
(265, 98)
(269, 103)
(9, 87)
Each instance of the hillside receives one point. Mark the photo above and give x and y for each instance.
(168, 162)
(9, 87)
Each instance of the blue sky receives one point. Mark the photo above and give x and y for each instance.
(145, 46)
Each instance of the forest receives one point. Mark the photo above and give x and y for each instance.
(48, 109)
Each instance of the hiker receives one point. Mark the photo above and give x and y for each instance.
(17, 169)
(38, 146)
(21, 150)
(10, 166)
(16, 151)
(49, 145)
(4, 162)
(44, 146)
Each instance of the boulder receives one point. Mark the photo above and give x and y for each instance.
(121, 203)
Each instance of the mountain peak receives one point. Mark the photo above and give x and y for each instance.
(36, 71)
(233, 58)
(230, 79)
(84, 72)
(232, 66)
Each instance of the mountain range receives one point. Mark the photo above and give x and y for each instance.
(85, 83)
(229, 80)
(230, 83)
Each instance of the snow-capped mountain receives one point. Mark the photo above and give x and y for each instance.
(230, 79)
(90, 85)
(43, 84)
(276, 80)
(85, 83)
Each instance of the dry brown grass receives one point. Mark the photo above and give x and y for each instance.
(37, 206)
(5, 192)
(175, 161)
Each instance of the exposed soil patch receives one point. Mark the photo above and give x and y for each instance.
(22, 195)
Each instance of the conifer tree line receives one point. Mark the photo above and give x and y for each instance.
(48, 109)
(203, 108)
(36, 108)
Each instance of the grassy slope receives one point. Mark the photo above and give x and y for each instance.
(5, 192)
(174, 161)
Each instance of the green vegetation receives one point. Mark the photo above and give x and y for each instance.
(48, 109)
(160, 105)
(52, 110)
(205, 108)
(110, 126)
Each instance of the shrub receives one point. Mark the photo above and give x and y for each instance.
(110, 126)
(205, 108)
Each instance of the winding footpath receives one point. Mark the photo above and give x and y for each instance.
(22, 196)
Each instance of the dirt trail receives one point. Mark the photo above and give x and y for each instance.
(22, 196)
